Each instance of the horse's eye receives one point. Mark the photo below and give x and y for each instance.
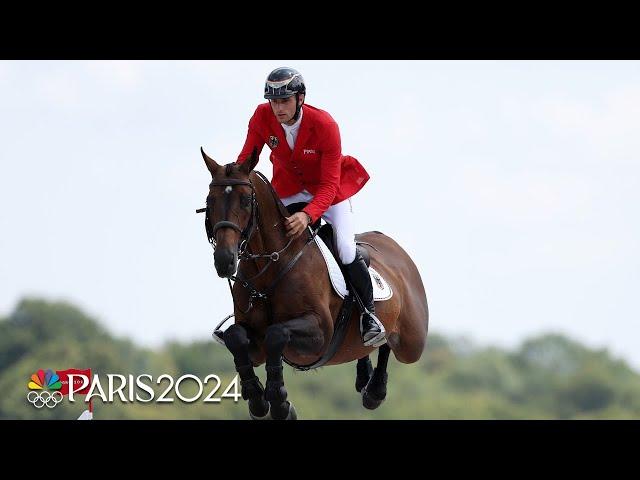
(245, 201)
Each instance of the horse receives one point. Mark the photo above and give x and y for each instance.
(284, 305)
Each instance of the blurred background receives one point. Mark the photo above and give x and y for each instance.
(512, 184)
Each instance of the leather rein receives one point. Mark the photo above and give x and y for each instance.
(245, 238)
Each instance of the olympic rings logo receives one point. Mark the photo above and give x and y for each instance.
(40, 399)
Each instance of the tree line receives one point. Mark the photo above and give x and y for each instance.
(549, 376)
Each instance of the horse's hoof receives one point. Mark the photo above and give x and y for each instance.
(261, 408)
(371, 400)
(266, 416)
(291, 414)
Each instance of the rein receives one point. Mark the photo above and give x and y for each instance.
(245, 238)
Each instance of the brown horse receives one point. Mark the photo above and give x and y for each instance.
(284, 304)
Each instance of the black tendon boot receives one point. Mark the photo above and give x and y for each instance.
(371, 329)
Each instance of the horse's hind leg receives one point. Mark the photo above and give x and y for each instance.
(364, 369)
(376, 390)
(304, 335)
(237, 341)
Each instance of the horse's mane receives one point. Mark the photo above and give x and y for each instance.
(255, 175)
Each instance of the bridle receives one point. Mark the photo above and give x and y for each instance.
(247, 233)
(245, 238)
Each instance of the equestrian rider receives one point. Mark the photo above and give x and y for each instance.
(308, 166)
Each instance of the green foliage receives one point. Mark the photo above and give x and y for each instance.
(549, 376)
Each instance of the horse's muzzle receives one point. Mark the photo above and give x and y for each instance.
(225, 261)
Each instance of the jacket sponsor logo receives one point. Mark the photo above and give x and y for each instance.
(307, 151)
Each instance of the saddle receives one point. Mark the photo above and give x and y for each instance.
(381, 288)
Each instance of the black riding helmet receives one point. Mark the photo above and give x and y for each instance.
(285, 82)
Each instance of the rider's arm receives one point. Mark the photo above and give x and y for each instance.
(330, 168)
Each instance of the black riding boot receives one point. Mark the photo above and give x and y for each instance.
(371, 329)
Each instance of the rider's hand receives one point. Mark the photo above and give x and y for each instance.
(296, 223)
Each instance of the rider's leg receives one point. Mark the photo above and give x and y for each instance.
(341, 217)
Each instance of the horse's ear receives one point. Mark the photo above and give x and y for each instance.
(251, 162)
(210, 162)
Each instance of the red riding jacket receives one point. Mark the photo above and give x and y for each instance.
(316, 163)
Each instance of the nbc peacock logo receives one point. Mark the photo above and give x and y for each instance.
(44, 389)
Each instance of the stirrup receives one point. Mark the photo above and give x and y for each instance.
(217, 336)
(380, 339)
(218, 332)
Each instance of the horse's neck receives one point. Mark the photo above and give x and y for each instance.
(270, 236)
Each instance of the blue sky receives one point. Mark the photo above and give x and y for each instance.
(513, 184)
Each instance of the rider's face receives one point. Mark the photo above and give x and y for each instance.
(285, 108)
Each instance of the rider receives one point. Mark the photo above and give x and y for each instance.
(308, 166)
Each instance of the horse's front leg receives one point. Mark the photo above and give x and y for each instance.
(236, 339)
(302, 334)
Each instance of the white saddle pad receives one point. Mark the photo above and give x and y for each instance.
(381, 288)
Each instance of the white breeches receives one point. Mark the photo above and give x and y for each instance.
(340, 216)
